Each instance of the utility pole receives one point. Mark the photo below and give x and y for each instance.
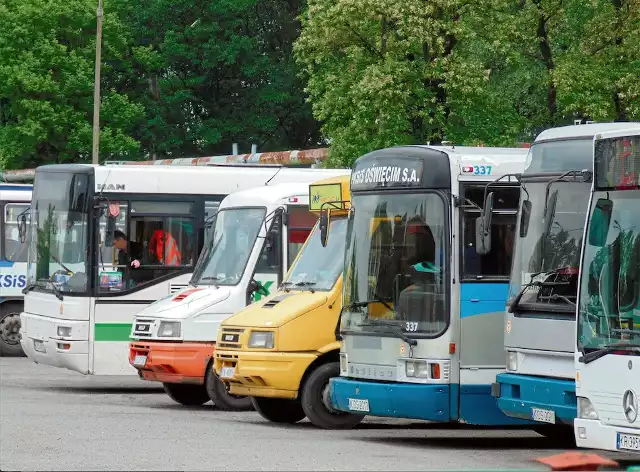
(96, 87)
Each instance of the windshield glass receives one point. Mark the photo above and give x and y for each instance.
(58, 247)
(609, 310)
(224, 260)
(318, 267)
(550, 247)
(395, 263)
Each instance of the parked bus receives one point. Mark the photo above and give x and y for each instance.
(423, 314)
(15, 200)
(282, 352)
(108, 240)
(607, 357)
(256, 236)
(540, 320)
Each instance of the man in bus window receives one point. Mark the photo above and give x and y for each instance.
(127, 258)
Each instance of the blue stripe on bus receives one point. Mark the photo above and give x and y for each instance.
(16, 187)
(477, 298)
(5, 263)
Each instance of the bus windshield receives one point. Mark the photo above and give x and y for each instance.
(225, 258)
(58, 247)
(395, 257)
(318, 267)
(609, 309)
(544, 276)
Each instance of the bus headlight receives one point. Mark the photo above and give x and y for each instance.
(512, 361)
(169, 329)
(586, 411)
(417, 369)
(261, 339)
(64, 331)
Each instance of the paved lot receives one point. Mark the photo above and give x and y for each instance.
(52, 419)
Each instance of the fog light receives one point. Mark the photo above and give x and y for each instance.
(582, 432)
(64, 331)
(586, 409)
(512, 361)
(343, 364)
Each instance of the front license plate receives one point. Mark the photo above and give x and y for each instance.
(39, 346)
(628, 442)
(227, 372)
(140, 360)
(356, 404)
(544, 416)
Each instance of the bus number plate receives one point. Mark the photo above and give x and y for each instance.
(357, 404)
(227, 372)
(628, 442)
(140, 361)
(544, 416)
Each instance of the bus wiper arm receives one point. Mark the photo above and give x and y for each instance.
(555, 297)
(532, 283)
(306, 284)
(37, 283)
(389, 328)
(367, 302)
(595, 355)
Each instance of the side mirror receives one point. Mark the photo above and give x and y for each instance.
(483, 227)
(550, 212)
(22, 228)
(600, 221)
(110, 230)
(525, 217)
(324, 227)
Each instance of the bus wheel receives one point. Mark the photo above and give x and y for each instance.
(188, 395)
(560, 434)
(10, 330)
(278, 410)
(223, 399)
(317, 403)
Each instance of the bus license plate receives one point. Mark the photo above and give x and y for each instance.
(628, 442)
(227, 372)
(140, 360)
(39, 346)
(356, 404)
(544, 416)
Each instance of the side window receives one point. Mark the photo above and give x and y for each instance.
(301, 223)
(113, 270)
(14, 249)
(270, 256)
(498, 262)
(210, 210)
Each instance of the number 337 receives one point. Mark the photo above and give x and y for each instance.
(411, 326)
(482, 170)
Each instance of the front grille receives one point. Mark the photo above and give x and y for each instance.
(230, 338)
(142, 327)
(173, 288)
(609, 407)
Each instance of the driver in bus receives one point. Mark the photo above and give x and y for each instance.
(127, 258)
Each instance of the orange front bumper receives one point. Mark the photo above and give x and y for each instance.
(172, 362)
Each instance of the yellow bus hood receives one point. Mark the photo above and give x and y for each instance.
(277, 309)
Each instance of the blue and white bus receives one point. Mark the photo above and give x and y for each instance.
(15, 200)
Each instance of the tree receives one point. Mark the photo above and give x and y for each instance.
(47, 56)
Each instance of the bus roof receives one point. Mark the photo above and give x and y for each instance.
(630, 131)
(581, 131)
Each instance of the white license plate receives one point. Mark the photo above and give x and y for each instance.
(39, 346)
(227, 372)
(628, 442)
(544, 416)
(356, 404)
(140, 360)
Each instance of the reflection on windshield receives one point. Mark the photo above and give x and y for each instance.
(318, 267)
(59, 231)
(228, 250)
(395, 262)
(609, 310)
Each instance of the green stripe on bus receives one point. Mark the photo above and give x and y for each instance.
(112, 331)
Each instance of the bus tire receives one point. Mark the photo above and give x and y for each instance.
(188, 395)
(562, 435)
(10, 330)
(224, 400)
(279, 410)
(316, 401)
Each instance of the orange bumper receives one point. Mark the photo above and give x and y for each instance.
(171, 362)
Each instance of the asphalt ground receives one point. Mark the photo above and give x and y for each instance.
(54, 419)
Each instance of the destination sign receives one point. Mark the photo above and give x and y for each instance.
(387, 173)
(618, 162)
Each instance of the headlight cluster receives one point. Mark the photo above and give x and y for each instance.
(261, 339)
(512, 361)
(417, 369)
(586, 409)
(169, 329)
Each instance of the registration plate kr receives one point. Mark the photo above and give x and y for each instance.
(39, 346)
(227, 372)
(140, 360)
(357, 404)
(628, 442)
(544, 416)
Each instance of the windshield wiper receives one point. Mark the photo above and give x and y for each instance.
(556, 297)
(536, 283)
(390, 328)
(367, 302)
(588, 357)
(306, 284)
(37, 283)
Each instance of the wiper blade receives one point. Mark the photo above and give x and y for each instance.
(368, 302)
(534, 283)
(38, 283)
(588, 357)
(306, 284)
(556, 297)
(390, 328)
(209, 278)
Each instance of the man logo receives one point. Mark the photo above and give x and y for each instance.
(630, 406)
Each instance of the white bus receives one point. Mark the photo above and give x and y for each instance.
(607, 357)
(14, 203)
(256, 237)
(81, 293)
